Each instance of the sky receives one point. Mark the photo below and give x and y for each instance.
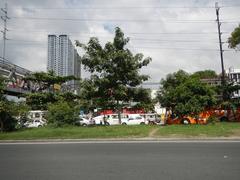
(176, 34)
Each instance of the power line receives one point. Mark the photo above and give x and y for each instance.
(112, 20)
(137, 47)
(134, 39)
(162, 40)
(115, 7)
(140, 33)
(124, 7)
(30, 43)
(171, 48)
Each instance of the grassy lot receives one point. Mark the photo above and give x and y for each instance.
(210, 130)
(78, 132)
(216, 130)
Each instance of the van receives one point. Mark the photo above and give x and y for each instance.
(112, 119)
(37, 115)
(151, 118)
(134, 119)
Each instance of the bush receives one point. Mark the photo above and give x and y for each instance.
(61, 113)
(7, 121)
(212, 120)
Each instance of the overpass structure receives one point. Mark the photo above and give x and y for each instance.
(15, 83)
(14, 74)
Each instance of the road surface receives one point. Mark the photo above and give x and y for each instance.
(121, 161)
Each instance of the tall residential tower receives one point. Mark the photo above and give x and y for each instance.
(63, 58)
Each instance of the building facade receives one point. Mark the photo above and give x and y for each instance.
(234, 77)
(63, 59)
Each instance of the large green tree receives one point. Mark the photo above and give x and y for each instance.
(185, 94)
(115, 70)
(234, 39)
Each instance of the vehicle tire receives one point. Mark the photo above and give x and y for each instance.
(186, 121)
(151, 123)
(124, 123)
(142, 123)
(223, 119)
(39, 126)
(84, 125)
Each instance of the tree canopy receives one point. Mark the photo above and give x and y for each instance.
(185, 94)
(45, 81)
(234, 39)
(115, 71)
(206, 74)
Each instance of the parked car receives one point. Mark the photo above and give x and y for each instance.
(86, 122)
(134, 119)
(34, 124)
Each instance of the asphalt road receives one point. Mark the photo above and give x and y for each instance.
(121, 161)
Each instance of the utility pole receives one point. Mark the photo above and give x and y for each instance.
(223, 82)
(4, 31)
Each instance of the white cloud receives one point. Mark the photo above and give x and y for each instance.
(163, 48)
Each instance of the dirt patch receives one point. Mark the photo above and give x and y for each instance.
(236, 132)
(153, 132)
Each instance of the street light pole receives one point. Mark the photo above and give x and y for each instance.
(223, 82)
(4, 18)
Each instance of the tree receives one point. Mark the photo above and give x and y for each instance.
(185, 94)
(2, 87)
(62, 113)
(45, 81)
(45, 92)
(234, 40)
(114, 68)
(6, 120)
(206, 74)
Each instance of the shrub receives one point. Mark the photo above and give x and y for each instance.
(61, 113)
(212, 120)
(7, 121)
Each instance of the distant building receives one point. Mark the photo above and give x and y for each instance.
(63, 59)
(234, 77)
(212, 81)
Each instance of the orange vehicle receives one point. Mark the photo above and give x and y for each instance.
(202, 118)
(187, 120)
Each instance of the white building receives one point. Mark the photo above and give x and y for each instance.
(63, 58)
(234, 76)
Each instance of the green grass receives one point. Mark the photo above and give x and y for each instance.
(78, 132)
(215, 130)
(210, 130)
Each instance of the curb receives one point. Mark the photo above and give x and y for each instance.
(122, 140)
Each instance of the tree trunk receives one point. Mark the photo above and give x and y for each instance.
(234, 114)
(119, 112)
(165, 117)
(1, 125)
